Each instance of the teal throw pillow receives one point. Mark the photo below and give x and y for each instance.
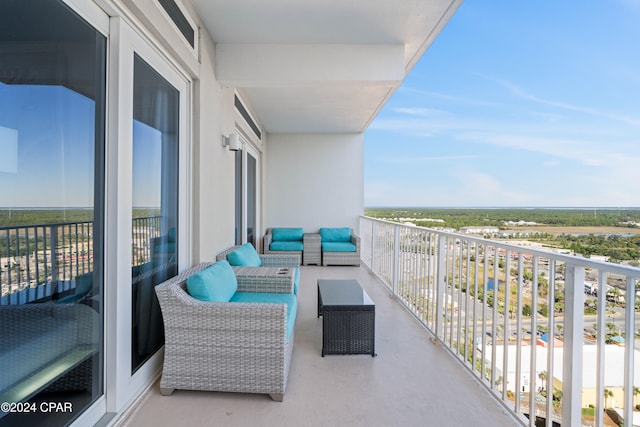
(244, 256)
(216, 283)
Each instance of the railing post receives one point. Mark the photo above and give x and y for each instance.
(629, 350)
(373, 245)
(396, 259)
(573, 346)
(53, 244)
(439, 296)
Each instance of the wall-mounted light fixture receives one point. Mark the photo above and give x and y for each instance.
(232, 141)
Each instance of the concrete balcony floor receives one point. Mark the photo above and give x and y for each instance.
(412, 382)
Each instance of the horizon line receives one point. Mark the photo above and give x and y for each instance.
(508, 207)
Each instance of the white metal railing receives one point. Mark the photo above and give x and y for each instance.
(41, 260)
(528, 323)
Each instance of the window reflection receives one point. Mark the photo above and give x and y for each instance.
(52, 83)
(155, 204)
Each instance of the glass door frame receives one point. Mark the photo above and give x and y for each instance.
(121, 386)
(249, 150)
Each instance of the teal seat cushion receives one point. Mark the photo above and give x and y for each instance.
(338, 247)
(286, 246)
(216, 283)
(286, 234)
(296, 280)
(244, 256)
(268, 298)
(335, 234)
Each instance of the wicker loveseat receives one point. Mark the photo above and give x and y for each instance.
(227, 346)
(248, 263)
(267, 260)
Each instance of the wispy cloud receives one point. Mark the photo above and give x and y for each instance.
(424, 159)
(523, 94)
(589, 153)
(456, 99)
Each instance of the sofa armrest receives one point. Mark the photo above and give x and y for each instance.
(355, 239)
(277, 280)
(195, 323)
(266, 242)
(223, 255)
(280, 260)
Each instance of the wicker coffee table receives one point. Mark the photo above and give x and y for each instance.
(348, 318)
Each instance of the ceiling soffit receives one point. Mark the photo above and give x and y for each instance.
(326, 66)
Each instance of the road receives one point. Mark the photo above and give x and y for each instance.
(617, 318)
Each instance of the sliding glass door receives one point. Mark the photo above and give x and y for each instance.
(156, 109)
(252, 196)
(52, 144)
(247, 194)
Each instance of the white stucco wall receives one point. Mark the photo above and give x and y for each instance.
(308, 180)
(314, 181)
(213, 194)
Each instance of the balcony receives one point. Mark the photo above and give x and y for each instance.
(424, 284)
(411, 381)
(439, 334)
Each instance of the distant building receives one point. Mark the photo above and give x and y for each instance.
(613, 373)
(520, 223)
(514, 234)
(479, 230)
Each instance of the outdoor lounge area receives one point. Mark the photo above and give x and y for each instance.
(143, 138)
(410, 382)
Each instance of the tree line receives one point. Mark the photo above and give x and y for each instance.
(465, 217)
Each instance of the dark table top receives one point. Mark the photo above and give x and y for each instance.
(343, 293)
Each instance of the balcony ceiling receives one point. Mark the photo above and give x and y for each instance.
(324, 66)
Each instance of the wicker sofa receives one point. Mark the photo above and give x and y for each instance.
(246, 262)
(268, 260)
(226, 346)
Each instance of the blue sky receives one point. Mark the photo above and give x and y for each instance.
(52, 161)
(52, 150)
(516, 104)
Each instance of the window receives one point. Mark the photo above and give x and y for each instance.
(246, 195)
(155, 203)
(52, 104)
(238, 196)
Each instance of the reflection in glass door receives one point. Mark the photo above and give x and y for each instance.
(252, 192)
(239, 197)
(52, 141)
(246, 195)
(155, 204)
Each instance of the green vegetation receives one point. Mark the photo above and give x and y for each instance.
(590, 411)
(22, 217)
(464, 217)
(39, 224)
(617, 247)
